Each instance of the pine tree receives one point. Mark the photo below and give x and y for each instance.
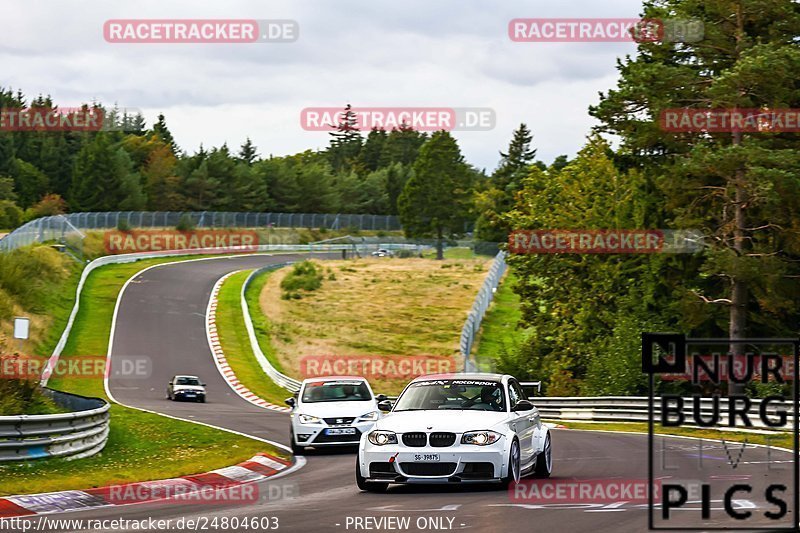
(162, 131)
(741, 189)
(436, 199)
(345, 143)
(248, 152)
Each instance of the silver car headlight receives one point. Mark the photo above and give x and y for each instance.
(308, 419)
(480, 438)
(382, 438)
(369, 417)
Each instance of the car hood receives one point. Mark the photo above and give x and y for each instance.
(337, 409)
(195, 388)
(451, 421)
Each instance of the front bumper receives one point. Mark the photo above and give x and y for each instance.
(317, 435)
(460, 463)
(188, 395)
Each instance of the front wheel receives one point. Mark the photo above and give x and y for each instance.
(544, 461)
(513, 465)
(369, 486)
(296, 450)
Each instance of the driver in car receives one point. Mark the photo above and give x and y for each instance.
(490, 398)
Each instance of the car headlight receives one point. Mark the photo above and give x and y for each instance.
(480, 438)
(308, 419)
(369, 417)
(382, 438)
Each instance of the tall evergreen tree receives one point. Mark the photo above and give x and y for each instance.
(741, 189)
(345, 143)
(436, 199)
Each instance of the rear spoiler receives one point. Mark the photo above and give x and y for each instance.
(531, 385)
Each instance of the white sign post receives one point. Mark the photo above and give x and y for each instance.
(21, 327)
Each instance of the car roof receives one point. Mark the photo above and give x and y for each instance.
(186, 376)
(466, 375)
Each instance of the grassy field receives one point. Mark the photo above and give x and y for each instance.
(39, 283)
(235, 342)
(499, 330)
(141, 446)
(374, 306)
(782, 440)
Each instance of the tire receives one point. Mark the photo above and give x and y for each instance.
(369, 486)
(544, 461)
(296, 450)
(514, 472)
(202, 400)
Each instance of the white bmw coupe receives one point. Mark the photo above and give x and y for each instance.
(455, 428)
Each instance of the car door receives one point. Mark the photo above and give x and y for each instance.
(535, 419)
(522, 423)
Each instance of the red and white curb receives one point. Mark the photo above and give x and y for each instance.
(224, 485)
(551, 425)
(219, 356)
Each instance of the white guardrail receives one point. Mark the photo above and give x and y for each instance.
(473, 323)
(288, 383)
(77, 434)
(636, 409)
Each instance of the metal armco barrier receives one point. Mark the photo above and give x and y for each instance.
(288, 383)
(78, 434)
(635, 409)
(482, 301)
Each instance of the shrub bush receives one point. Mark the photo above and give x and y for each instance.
(305, 276)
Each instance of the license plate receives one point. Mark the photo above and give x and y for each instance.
(340, 431)
(190, 394)
(426, 457)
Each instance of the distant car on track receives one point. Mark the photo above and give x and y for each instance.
(186, 388)
(455, 428)
(332, 411)
(382, 252)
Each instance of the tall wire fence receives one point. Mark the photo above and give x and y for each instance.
(65, 228)
(479, 307)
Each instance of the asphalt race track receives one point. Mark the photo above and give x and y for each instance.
(161, 315)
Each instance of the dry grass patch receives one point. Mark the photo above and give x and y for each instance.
(374, 307)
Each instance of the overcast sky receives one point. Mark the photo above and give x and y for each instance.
(415, 53)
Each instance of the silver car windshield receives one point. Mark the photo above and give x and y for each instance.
(473, 395)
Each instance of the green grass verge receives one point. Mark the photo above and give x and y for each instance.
(499, 331)
(235, 342)
(783, 440)
(141, 446)
(452, 253)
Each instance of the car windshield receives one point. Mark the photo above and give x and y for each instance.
(336, 391)
(187, 381)
(460, 394)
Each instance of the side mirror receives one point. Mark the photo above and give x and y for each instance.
(385, 406)
(202, 384)
(290, 402)
(381, 397)
(170, 383)
(523, 405)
